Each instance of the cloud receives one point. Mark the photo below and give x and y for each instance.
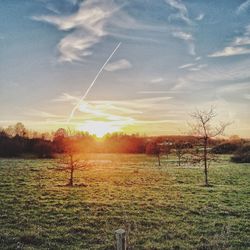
(183, 35)
(86, 27)
(230, 51)
(182, 12)
(193, 66)
(118, 65)
(197, 67)
(191, 49)
(243, 87)
(157, 80)
(92, 21)
(243, 40)
(243, 7)
(187, 65)
(121, 114)
(66, 98)
(236, 47)
(212, 76)
(188, 38)
(200, 17)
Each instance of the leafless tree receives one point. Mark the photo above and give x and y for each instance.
(74, 157)
(181, 149)
(73, 165)
(204, 128)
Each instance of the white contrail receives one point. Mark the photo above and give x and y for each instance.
(92, 84)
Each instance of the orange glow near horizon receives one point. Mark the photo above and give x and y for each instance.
(99, 128)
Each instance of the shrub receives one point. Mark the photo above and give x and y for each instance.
(225, 148)
(10, 148)
(242, 155)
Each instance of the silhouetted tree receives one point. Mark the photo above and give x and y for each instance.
(74, 160)
(59, 140)
(20, 130)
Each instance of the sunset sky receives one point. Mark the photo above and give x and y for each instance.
(174, 56)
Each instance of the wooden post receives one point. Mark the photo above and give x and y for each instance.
(120, 236)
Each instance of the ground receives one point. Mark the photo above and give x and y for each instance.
(163, 207)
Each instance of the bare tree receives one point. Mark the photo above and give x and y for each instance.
(72, 160)
(204, 128)
(181, 149)
(69, 144)
(73, 164)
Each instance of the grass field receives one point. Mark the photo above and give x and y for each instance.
(161, 208)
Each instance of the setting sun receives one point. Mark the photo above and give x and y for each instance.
(99, 128)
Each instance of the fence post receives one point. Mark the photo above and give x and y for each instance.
(120, 236)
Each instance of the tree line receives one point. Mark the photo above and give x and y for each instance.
(17, 141)
(200, 146)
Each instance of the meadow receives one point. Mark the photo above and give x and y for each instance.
(163, 207)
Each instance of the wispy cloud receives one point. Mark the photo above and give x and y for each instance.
(188, 38)
(115, 109)
(65, 97)
(182, 12)
(230, 51)
(183, 35)
(200, 17)
(236, 47)
(183, 15)
(118, 65)
(87, 27)
(119, 115)
(193, 66)
(188, 65)
(90, 24)
(213, 75)
(243, 7)
(197, 67)
(243, 87)
(157, 80)
(243, 40)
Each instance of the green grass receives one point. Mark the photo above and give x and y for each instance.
(161, 208)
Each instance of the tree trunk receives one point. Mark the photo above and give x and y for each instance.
(159, 159)
(205, 161)
(71, 182)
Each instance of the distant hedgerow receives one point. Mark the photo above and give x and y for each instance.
(242, 155)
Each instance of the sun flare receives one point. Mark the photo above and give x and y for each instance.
(99, 128)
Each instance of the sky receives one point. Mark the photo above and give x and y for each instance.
(175, 56)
